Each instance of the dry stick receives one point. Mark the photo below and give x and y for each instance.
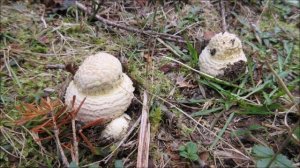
(124, 27)
(144, 136)
(216, 119)
(224, 26)
(55, 66)
(56, 132)
(281, 83)
(75, 142)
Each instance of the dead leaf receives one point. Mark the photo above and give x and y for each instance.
(169, 67)
(208, 35)
(208, 104)
(245, 123)
(43, 40)
(148, 58)
(141, 3)
(72, 68)
(180, 81)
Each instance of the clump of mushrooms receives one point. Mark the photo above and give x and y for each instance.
(108, 93)
(223, 57)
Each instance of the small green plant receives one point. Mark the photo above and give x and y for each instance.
(155, 118)
(189, 151)
(193, 54)
(264, 155)
(248, 130)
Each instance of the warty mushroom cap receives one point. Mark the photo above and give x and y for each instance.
(108, 91)
(223, 50)
(98, 73)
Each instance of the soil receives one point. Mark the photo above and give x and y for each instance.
(233, 72)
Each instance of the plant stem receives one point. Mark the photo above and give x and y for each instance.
(284, 87)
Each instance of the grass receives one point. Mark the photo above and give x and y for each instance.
(226, 118)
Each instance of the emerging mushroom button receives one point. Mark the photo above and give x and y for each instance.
(107, 89)
(223, 57)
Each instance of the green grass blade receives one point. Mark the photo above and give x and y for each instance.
(221, 132)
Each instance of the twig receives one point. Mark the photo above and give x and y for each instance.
(146, 32)
(216, 119)
(75, 142)
(224, 26)
(44, 22)
(55, 66)
(169, 47)
(144, 136)
(257, 140)
(282, 84)
(56, 132)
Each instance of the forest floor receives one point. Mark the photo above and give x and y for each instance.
(195, 121)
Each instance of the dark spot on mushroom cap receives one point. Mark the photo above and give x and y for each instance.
(213, 52)
(232, 72)
(232, 41)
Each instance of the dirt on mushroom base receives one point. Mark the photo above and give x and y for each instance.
(233, 72)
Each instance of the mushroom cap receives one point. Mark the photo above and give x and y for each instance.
(117, 128)
(98, 73)
(111, 104)
(223, 50)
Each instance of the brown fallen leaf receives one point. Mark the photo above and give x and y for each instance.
(148, 58)
(169, 67)
(141, 3)
(180, 81)
(43, 40)
(72, 68)
(208, 35)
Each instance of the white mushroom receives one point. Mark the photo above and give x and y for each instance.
(107, 89)
(117, 128)
(223, 56)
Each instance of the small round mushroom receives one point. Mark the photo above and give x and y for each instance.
(223, 57)
(107, 89)
(117, 128)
